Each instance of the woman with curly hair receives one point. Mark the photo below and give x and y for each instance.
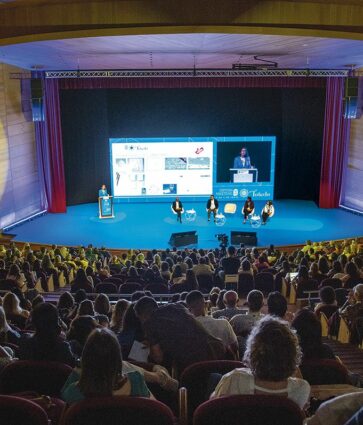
(272, 356)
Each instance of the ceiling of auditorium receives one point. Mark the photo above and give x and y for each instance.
(180, 51)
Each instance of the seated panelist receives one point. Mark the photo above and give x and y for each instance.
(177, 207)
(267, 211)
(103, 191)
(248, 207)
(212, 207)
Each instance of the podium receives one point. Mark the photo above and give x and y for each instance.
(105, 207)
(244, 175)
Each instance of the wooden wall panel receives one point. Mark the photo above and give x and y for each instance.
(353, 182)
(19, 179)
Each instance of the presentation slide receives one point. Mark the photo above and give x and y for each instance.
(161, 167)
(231, 168)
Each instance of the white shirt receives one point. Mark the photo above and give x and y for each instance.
(177, 205)
(219, 328)
(241, 381)
(212, 205)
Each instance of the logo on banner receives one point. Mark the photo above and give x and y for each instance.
(235, 192)
(244, 193)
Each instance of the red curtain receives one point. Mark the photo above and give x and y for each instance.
(335, 142)
(48, 136)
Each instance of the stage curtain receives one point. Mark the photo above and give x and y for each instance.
(48, 135)
(190, 82)
(335, 142)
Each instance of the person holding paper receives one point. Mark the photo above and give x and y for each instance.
(243, 160)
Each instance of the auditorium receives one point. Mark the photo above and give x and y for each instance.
(181, 212)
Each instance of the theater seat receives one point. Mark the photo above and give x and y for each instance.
(324, 372)
(249, 410)
(264, 282)
(42, 377)
(130, 288)
(106, 288)
(195, 379)
(118, 410)
(17, 411)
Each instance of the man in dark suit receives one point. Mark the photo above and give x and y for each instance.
(248, 208)
(212, 206)
(178, 208)
(243, 160)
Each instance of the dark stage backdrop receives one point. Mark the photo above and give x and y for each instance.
(294, 116)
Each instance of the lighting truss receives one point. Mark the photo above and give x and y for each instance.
(205, 73)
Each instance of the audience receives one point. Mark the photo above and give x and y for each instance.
(173, 336)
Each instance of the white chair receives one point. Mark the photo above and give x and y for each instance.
(174, 212)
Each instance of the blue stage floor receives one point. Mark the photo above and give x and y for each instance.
(149, 225)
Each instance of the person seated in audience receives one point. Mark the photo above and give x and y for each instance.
(81, 282)
(28, 275)
(7, 333)
(277, 306)
(220, 328)
(165, 271)
(323, 265)
(86, 308)
(118, 314)
(230, 300)
(242, 324)
(339, 410)
(79, 330)
(230, 264)
(308, 328)
(175, 336)
(246, 267)
(101, 372)
(131, 330)
(102, 306)
(261, 263)
(272, 356)
(328, 303)
(3, 271)
(304, 283)
(46, 343)
(15, 282)
(352, 276)
(202, 268)
(354, 305)
(16, 315)
(316, 274)
(177, 276)
(66, 306)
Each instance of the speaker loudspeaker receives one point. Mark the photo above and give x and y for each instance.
(36, 94)
(353, 98)
(183, 238)
(246, 238)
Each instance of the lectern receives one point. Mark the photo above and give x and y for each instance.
(244, 175)
(105, 207)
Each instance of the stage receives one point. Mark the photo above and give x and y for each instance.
(149, 225)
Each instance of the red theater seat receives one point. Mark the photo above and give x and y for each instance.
(17, 411)
(249, 410)
(44, 378)
(118, 411)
